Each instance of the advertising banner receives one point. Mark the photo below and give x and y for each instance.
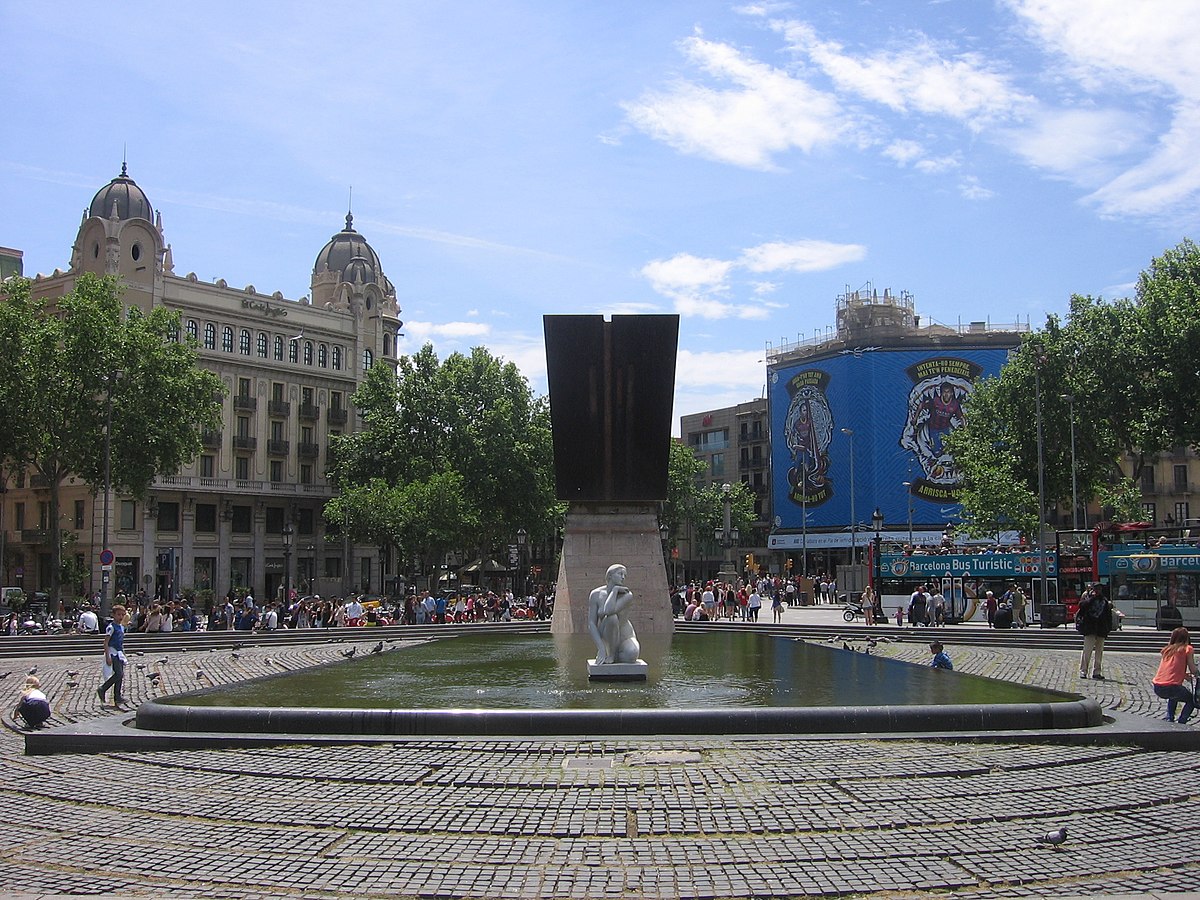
(888, 412)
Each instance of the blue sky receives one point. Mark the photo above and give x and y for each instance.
(741, 165)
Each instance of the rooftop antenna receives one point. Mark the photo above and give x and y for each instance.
(124, 154)
(349, 213)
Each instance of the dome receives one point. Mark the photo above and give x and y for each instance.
(349, 255)
(131, 200)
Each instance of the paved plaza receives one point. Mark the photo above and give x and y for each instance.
(591, 817)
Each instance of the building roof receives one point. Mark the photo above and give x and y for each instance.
(349, 255)
(131, 201)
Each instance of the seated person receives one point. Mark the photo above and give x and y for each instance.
(32, 706)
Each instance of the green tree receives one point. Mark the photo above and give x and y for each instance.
(471, 416)
(63, 370)
(1120, 374)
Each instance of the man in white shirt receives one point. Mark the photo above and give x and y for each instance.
(354, 613)
(89, 623)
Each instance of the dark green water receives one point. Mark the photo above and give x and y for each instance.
(499, 671)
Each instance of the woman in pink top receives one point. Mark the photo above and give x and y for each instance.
(1177, 664)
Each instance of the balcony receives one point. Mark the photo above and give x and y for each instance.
(35, 535)
(210, 440)
(309, 412)
(278, 447)
(244, 442)
(245, 402)
(338, 416)
(39, 482)
(308, 451)
(281, 408)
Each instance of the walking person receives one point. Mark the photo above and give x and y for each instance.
(1178, 663)
(1093, 621)
(868, 604)
(114, 656)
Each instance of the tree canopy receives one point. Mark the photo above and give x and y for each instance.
(458, 452)
(1123, 375)
(63, 368)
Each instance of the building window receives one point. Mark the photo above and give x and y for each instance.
(127, 516)
(306, 434)
(1181, 481)
(278, 348)
(208, 465)
(322, 356)
(19, 515)
(242, 520)
(276, 516)
(168, 516)
(193, 329)
(306, 473)
(276, 471)
(335, 400)
(210, 336)
(307, 397)
(261, 345)
(276, 430)
(308, 353)
(333, 567)
(304, 521)
(1147, 480)
(718, 464)
(79, 513)
(244, 342)
(277, 389)
(206, 518)
(368, 360)
(243, 426)
(337, 358)
(243, 387)
(227, 339)
(1149, 513)
(241, 468)
(1181, 513)
(294, 351)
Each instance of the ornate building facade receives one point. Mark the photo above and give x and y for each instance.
(289, 368)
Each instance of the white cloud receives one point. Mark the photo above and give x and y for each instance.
(915, 79)
(904, 151)
(754, 112)
(800, 256)
(970, 189)
(423, 331)
(686, 273)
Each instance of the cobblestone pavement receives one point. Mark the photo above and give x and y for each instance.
(573, 818)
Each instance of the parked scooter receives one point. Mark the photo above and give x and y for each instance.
(854, 610)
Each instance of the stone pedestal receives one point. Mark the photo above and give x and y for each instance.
(598, 535)
(634, 671)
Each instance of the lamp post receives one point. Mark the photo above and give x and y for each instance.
(1037, 397)
(727, 536)
(522, 539)
(664, 535)
(849, 432)
(105, 569)
(288, 532)
(877, 522)
(909, 485)
(1074, 486)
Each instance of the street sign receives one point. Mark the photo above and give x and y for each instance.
(106, 557)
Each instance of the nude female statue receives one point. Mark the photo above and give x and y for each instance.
(608, 620)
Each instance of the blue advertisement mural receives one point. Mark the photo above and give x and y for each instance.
(887, 410)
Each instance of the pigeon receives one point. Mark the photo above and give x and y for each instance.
(32, 670)
(268, 660)
(378, 648)
(349, 653)
(200, 675)
(163, 661)
(71, 673)
(139, 666)
(235, 656)
(5, 675)
(846, 646)
(1054, 838)
(72, 684)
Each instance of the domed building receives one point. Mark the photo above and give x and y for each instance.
(289, 367)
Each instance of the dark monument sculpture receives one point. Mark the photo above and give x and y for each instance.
(612, 386)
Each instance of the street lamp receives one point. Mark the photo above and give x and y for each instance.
(1037, 396)
(522, 538)
(287, 533)
(849, 432)
(877, 522)
(727, 536)
(105, 602)
(1074, 487)
(909, 485)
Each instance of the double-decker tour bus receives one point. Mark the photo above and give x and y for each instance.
(964, 577)
(1152, 574)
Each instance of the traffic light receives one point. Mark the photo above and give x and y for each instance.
(788, 565)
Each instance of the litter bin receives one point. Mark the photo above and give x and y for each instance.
(1052, 614)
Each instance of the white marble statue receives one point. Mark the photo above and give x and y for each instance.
(608, 620)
